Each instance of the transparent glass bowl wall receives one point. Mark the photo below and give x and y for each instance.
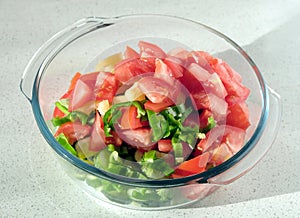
(80, 46)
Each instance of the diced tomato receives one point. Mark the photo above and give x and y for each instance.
(130, 53)
(220, 155)
(84, 91)
(238, 115)
(162, 68)
(156, 89)
(89, 79)
(198, 56)
(180, 53)
(198, 72)
(96, 86)
(97, 141)
(210, 59)
(192, 81)
(165, 145)
(211, 139)
(74, 80)
(201, 100)
(192, 166)
(106, 87)
(175, 65)
(232, 73)
(214, 85)
(129, 68)
(151, 50)
(232, 136)
(237, 92)
(73, 131)
(203, 118)
(157, 107)
(81, 95)
(68, 94)
(57, 112)
(115, 139)
(139, 138)
(129, 119)
(216, 105)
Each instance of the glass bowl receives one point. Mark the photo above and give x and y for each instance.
(80, 46)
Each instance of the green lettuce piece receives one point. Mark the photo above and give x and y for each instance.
(63, 105)
(158, 124)
(113, 114)
(154, 167)
(71, 117)
(62, 139)
(211, 124)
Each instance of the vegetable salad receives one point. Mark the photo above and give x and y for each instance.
(152, 114)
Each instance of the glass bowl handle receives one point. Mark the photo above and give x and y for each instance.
(49, 48)
(263, 145)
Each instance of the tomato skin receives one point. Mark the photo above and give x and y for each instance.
(200, 59)
(89, 79)
(74, 80)
(115, 139)
(220, 154)
(165, 145)
(107, 87)
(175, 65)
(237, 92)
(139, 138)
(81, 95)
(57, 112)
(129, 119)
(95, 86)
(179, 53)
(162, 68)
(97, 141)
(209, 101)
(193, 166)
(192, 83)
(157, 107)
(129, 68)
(151, 50)
(73, 131)
(214, 85)
(203, 118)
(130, 53)
(238, 115)
(169, 66)
(156, 89)
(233, 137)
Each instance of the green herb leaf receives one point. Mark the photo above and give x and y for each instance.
(154, 167)
(63, 105)
(113, 114)
(71, 117)
(211, 124)
(189, 134)
(62, 139)
(159, 125)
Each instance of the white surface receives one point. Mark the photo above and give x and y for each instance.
(31, 181)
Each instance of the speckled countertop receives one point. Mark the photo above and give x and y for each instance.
(32, 184)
